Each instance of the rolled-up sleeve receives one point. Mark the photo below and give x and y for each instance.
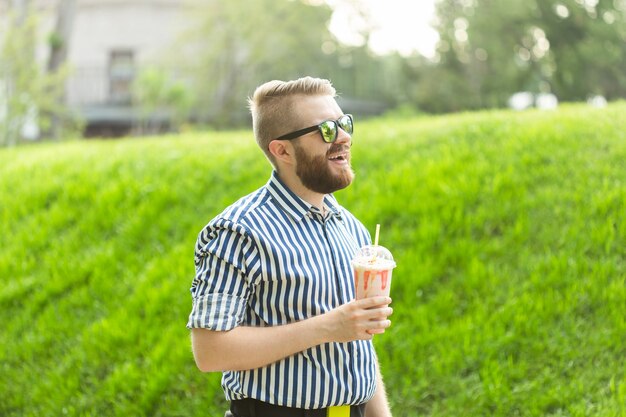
(221, 287)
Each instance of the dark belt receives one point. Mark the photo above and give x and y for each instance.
(254, 408)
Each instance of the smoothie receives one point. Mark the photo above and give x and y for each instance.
(373, 266)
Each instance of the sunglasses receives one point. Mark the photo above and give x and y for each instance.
(329, 129)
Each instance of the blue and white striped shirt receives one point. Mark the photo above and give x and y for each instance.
(272, 259)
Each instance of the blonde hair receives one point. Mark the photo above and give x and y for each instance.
(271, 107)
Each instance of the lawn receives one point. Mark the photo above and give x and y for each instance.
(509, 230)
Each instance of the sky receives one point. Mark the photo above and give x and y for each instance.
(398, 25)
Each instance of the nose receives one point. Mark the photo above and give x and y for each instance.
(343, 137)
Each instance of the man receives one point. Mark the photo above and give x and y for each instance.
(273, 295)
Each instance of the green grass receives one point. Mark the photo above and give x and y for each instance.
(509, 230)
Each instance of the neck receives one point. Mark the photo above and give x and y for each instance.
(294, 184)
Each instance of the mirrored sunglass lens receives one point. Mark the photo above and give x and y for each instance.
(329, 131)
(346, 124)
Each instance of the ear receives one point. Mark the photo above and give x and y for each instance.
(282, 150)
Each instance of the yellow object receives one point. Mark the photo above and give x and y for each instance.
(340, 411)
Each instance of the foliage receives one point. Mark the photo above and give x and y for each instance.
(233, 46)
(487, 51)
(490, 50)
(28, 94)
(160, 99)
(508, 230)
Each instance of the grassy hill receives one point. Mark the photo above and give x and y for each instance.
(509, 230)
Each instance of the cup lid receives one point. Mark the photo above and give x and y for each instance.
(374, 254)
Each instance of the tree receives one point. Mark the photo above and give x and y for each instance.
(490, 49)
(233, 46)
(60, 38)
(59, 42)
(29, 95)
(160, 100)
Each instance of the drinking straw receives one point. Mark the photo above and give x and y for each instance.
(377, 232)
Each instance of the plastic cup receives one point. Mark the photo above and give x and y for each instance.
(373, 266)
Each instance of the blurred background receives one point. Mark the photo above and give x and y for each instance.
(112, 67)
(508, 226)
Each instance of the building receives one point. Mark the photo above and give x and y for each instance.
(110, 40)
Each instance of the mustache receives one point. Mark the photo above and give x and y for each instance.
(338, 148)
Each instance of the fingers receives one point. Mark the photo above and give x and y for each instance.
(375, 312)
(359, 319)
(378, 327)
(378, 313)
(377, 321)
(371, 302)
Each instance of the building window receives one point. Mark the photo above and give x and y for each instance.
(121, 74)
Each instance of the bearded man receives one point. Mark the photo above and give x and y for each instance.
(274, 303)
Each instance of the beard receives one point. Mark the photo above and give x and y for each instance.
(316, 174)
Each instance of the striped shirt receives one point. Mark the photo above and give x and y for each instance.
(272, 259)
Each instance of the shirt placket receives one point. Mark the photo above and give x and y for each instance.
(351, 347)
(326, 225)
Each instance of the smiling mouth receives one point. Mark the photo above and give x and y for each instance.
(339, 157)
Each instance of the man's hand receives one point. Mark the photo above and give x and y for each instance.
(357, 320)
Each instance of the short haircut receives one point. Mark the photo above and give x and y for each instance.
(272, 111)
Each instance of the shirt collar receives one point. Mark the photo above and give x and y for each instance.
(293, 205)
(331, 202)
